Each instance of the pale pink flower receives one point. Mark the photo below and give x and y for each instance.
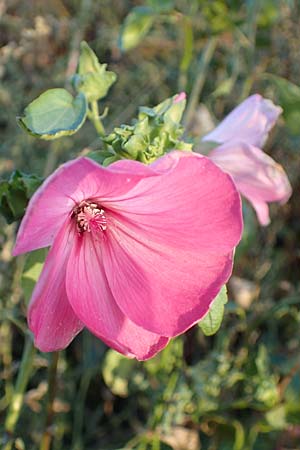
(256, 175)
(249, 122)
(137, 253)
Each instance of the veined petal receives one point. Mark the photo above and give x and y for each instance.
(91, 298)
(73, 182)
(50, 316)
(250, 122)
(169, 243)
(193, 205)
(256, 175)
(162, 289)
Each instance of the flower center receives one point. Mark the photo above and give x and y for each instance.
(89, 216)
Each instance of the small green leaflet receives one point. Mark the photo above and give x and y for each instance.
(54, 114)
(213, 319)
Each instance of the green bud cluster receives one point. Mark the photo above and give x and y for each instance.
(155, 132)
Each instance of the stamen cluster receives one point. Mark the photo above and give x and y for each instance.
(89, 215)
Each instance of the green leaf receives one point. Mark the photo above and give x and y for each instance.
(276, 417)
(32, 269)
(117, 371)
(93, 80)
(289, 98)
(213, 319)
(15, 194)
(291, 396)
(161, 6)
(54, 114)
(135, 27)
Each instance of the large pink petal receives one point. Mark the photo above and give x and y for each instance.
(257, 176)
(163, 289)
(250, 122)
(91, 298)
(50, 316)
(73, 182)
(169, 244)
(184, 207)
(191, 205)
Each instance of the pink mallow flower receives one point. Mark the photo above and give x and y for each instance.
(257, 176)
(137, 253)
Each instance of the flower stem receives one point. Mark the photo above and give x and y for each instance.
(21, 384)
(203, 65)
(188, 46)
(94, 117)
(52, 376)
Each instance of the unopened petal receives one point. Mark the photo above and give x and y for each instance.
(250, 122)
(257, 176)
(90, 296)
(50, 316)
(169, 245)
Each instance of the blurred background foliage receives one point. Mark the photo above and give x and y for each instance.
(239, 389)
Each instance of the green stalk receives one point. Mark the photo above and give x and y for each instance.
(21, 384)
(94, 117)
(188, 45)
(52, 377)
(202, 68)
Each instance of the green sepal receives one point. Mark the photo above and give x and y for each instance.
(211, 322)
(15, 194)
(92, 79)
(54, 114)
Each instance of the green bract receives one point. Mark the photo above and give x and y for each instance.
(213, 319)
(92, 79)
(155, 132)
(54, 113)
